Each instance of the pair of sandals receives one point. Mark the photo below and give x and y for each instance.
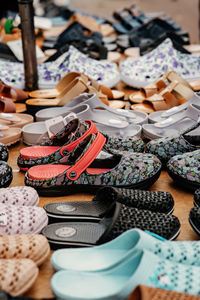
(166, 92)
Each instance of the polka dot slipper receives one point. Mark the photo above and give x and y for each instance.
(19, 195)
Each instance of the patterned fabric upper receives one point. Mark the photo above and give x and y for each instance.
(152, 65)
(3, 152)
(186, 165)
(165, 148)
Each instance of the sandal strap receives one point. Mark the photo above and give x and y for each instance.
(67, 79)
(7, 105)
(173, 76)
(75, 143)
(75, 171)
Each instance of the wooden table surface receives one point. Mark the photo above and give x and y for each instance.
(183, 203)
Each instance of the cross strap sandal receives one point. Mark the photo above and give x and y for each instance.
(104, 200)
(174, 125)
(67, 138)
(82, 170)
(174, 94)
(32, 246)
(17, 275)
(22, 219)
(116, 221)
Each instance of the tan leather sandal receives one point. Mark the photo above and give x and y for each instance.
(174, 94)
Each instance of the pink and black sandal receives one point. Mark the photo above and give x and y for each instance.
(87, 168)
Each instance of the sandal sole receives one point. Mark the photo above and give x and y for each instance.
(90, 189)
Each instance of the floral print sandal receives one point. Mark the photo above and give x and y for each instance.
(56, 147)
(86, 168)
(185, 169)
(6, 175)
(165, 148)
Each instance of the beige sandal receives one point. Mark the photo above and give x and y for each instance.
(9, 136)
(15, 120)
(17, 275)
(174, 94)
(32, 246)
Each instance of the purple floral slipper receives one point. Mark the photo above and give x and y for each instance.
(49, 73)
(87, 168)
(146, 69)
(165, 148)
(54, 149)
(185, 169)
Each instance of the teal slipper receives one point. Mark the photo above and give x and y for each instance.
(142, 267)
(115, 251)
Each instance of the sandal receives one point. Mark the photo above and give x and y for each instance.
(19, 196)
(17, 275)
(9, 136)
(116, 221)
(173, 125)
(7, 105)
(103, 202)
(15, 120)
(12, 92)
(70, 135)
(84, 172)
(32, 246)
(22, 219)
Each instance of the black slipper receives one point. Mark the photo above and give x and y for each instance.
(194, 219)
(119, 219)
(197, 198)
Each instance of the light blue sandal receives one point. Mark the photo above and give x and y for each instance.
(142, 267)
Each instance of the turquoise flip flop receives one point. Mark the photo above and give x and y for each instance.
(142, 267)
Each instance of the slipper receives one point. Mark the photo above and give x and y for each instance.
(3, 152)
(52, 151)
(173, 95)
(159, 116)
(175, 124)
(6, 175)
(197, 198)
(160, 84)
(12, 92)
(117, 220)
(19, 196)
(22, 219)
(110, 124)
(194, 217)
(9, 136)
(32, 246)
(17, 275)
(7, 105)
(84, 172)
(104, 200)
(142, 292)
(15, 120)
(95, 104)
(146, 69)
(119, 281)
(167, 147)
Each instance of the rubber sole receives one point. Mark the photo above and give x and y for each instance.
(186, 184)
(65, 190)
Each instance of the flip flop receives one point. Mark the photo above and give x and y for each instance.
(9, 136)
(117, 220)
(173, 95)
(175, 124)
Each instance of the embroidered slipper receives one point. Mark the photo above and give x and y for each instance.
(167, 147)
(184, 169)
(32, 246)
(9, 136)
(53, 150)
(82, 171)
(159, 116)
(174, 125)
(117, 220)
(6, 175)
(17, 275)
(116, 282)
(15, 120)
(3, 152)
(19, 196)
(12, 92)
(22, 219)
(104, 200)
(142, 292)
